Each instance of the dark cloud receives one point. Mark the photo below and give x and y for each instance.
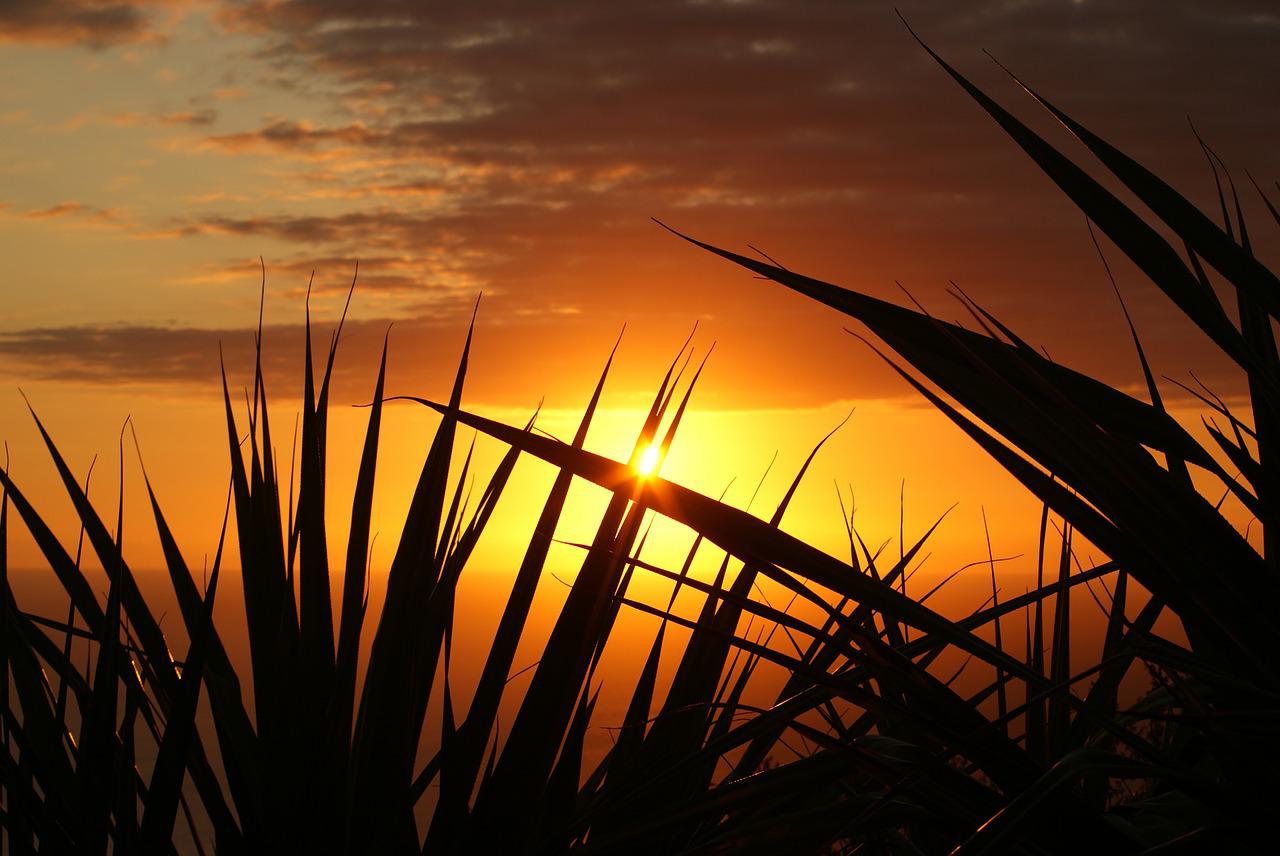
(380, 275)
(589, 82)
(595, 111)
(62, 209)
(520, 148)
(94, 23)
(187, 357)
(77, 212)
(513, 362)
(285, 134)
(518, 359)
(193, 118)
(555, 130)
(119, 354)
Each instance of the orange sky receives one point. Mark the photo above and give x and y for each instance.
(151, 151)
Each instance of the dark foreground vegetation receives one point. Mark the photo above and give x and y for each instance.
(1043, 759)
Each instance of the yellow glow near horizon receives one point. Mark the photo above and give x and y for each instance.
(647, 465)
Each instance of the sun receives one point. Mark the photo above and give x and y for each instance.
(647, 465)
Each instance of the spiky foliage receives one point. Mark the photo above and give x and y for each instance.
(869, 746)
(1119, 472)
(323, 760)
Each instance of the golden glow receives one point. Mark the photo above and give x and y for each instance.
(647, 465)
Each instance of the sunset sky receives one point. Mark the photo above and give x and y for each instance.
(150, 152)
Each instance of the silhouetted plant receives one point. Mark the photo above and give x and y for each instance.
(1206, 739)
(898, 758)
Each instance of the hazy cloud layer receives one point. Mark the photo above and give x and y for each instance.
(96, 23)
(520, 148)
(510, 363)
(537, 133)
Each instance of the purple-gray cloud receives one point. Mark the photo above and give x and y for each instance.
(554, 131)
(511, 361)
(521, 147)
(94, 23)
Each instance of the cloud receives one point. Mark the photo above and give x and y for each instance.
(93, 23)
(322, 275)
(422, 359)
(287, 135)
(517, 359)
(229, 93)
(62, 209)
(520, 149)
(125, 353)
(735, 104)
(75, 212)
(548, 136)
(190, 118)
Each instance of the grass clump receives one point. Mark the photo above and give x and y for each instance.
(897, 758)
(1204, 742)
